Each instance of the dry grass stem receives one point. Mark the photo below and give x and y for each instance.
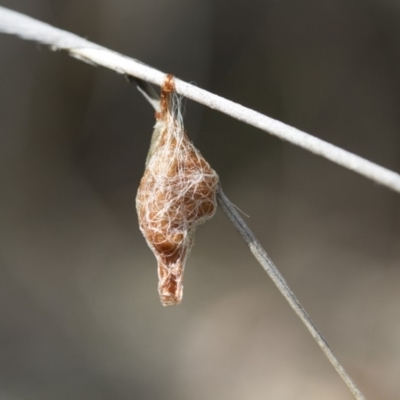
(262, 257)
(14, 23)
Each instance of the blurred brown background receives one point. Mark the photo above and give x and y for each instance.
(80, 316)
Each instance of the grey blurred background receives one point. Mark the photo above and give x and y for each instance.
(80, 316)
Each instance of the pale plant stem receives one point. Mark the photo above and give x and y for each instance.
(273, 272)
(262, 257)
(14, 23)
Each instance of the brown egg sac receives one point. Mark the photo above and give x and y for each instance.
(176, 194)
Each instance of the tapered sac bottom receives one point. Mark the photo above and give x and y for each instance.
(170, 286)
